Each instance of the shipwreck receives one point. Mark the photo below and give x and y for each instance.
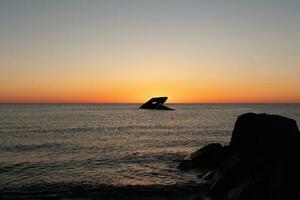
(156, 104)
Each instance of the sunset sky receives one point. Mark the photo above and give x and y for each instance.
(126, 51)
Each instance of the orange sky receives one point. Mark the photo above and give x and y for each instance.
(180, 92)
(116, 52)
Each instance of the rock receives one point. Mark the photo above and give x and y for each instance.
(269, 136)
(156, 104)
(261, 162)
(228, 175)
(206, 157)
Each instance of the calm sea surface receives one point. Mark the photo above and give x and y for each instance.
(61, 149)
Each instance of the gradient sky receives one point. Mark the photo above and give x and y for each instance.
(130, 50)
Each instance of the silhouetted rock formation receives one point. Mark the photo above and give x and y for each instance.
(156, 103)
(261, 162)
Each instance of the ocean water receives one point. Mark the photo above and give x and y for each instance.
(103, 151)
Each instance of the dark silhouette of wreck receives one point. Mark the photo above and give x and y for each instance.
(156, 104)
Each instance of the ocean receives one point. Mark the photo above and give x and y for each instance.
(111, 151)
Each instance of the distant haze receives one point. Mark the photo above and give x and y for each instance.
(127, 51)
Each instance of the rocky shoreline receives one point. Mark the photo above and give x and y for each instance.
(261, 162)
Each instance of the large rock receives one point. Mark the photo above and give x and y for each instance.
(207, 157)
(262, 161)
(269, 136)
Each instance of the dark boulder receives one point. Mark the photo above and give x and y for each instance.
(228, 175)
(206, 157)
(269, 136)
(261, 162)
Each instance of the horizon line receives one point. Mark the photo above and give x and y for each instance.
(2, 103)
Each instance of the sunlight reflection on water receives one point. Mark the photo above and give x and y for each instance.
(111, 144)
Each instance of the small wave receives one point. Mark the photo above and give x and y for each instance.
(108, 192)
(37, 129)
(30, 147)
